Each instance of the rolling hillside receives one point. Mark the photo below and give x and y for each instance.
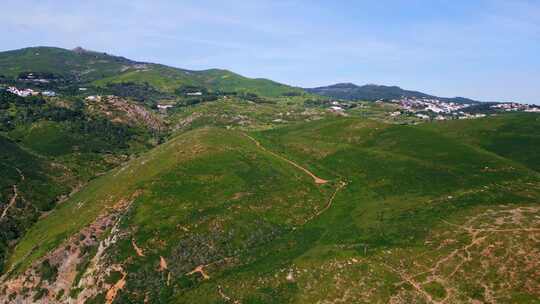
(512, 136)
(89, 67)
(256, 192)
(338, 208)
(168, 79)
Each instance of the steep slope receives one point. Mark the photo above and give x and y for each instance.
(89, 138)
(29, 187)
(205, 188)
(48, 148)
(338, 209)
(375, 92)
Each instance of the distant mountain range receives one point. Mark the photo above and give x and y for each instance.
(97, 68)
(372, 92)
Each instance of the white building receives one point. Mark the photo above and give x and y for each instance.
(22, 92)
(164, 107)
(48, 93)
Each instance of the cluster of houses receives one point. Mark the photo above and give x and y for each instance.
(514, 106)
(29, 92)
(426, 115)
(434, 109)
(428, 104)
(337, 106)
(430, 109)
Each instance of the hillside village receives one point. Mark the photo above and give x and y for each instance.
(436, 109)
(424, 109)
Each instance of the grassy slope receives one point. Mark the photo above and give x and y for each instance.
(181, 168)
(39, 174)
(38, 184)
(56, 149)
(211, 196)
(514, 136)
(403, 181)
(168, 79)
(238, 113)
(87, 154)
(87, 66)
(102, 69)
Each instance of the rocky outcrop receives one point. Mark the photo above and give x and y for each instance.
(75, 271)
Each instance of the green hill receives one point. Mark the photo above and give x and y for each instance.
(169, 79)
(337, 208)
(29, 187)
(514, 136)
(83, 66)
(49, 148)
(78, 64)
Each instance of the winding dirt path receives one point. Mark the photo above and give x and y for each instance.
(329, 204)
(11, 202)
(200, 269)
(317, 179)
(14, 197)
(416, 285)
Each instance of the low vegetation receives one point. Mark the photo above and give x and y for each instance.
(162, 185)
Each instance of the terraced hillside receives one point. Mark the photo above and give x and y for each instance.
(332, 210)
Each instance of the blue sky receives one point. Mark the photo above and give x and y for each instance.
(484, 49)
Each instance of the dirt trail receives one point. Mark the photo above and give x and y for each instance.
(470, 229)
(11, 202)
(138, 250)
(330, 202)
(200, 269)
(317, 179)
(20, 174)
(448, 266)
(14, 197)
(416, 285)
(162, 264)
(113, 291)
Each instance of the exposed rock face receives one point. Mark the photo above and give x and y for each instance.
(78, 267)
(122, 111)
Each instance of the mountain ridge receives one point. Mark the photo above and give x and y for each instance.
(93, 67)
(351, 91)
(100, 68)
